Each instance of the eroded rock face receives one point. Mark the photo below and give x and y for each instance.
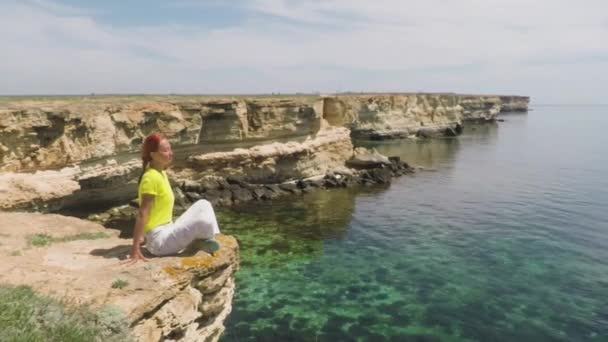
(92, 145)
(180, 298)
(480, 108)
(514, 103)
(276, 162)
(254, 118)
(51, 190)
(112, 183)
(38, 135)
(42, 190)
(391, 116)
(51, 134)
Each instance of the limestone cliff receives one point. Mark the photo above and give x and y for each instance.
(277, 162)
(181, 298)
(112, 183)
(38, 135)
(58, 132)
(480, 108)
(383, 116)
(85, 150)
(387, 116)
(43, 135)
(514, 103)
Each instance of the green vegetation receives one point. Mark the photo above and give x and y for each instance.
(28, 316)
(40, 240)
(83, 236)
(43, 239)
(119, 284)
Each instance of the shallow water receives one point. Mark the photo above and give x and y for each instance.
(503, 238)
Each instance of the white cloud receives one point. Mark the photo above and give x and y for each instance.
(485, 46)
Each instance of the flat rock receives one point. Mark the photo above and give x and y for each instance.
(364, 158)
(83, 271)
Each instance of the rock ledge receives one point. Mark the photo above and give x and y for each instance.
(179, 298)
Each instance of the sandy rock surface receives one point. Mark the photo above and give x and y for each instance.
(161, 298)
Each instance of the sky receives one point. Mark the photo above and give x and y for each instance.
(555, 51)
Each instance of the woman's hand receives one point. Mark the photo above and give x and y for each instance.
(135, 256)
(138, 232)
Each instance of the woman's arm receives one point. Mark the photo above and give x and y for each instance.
(138, 231)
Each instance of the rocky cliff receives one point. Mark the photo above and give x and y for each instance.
(110, 183)
(84, 150)
(38, 135)
(277, 162)
(514, 103)
(56, 132)
(386, 116)
(181, 298)
(480, 108)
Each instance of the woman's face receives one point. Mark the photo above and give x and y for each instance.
(164, 156)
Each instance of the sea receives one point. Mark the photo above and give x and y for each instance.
(501, 235)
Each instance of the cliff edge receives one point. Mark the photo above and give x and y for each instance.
(181, 298)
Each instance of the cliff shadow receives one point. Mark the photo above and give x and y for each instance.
(120, 252)
(427, 153)
(278, 232)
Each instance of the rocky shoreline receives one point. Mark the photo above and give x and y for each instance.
(80, 155)
(367, 169)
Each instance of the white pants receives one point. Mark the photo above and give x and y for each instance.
(198, 222)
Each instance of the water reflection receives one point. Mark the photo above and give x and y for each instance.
(277, 232)
(504, 243)
(428, 153)
(434, 153)
(483, 131)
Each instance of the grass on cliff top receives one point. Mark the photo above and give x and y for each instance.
(142, 97)
(119, 284)
(43, 239)
(28, 316)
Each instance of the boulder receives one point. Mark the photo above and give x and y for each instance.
(241, 195)
(193, 196)
(191, 186)
(261, 193)
(428, 133)
(290, 188)
(379, 176)
(367, 159)
(273, 191)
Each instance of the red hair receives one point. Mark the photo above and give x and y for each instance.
(149, 145)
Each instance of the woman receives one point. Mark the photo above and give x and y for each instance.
(155, 216)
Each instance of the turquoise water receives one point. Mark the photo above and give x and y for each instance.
(503, 238)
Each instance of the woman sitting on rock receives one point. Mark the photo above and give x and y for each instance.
(155, 216)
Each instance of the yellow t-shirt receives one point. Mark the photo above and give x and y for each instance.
(156, 183)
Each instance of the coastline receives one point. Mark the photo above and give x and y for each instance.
(66, 155)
